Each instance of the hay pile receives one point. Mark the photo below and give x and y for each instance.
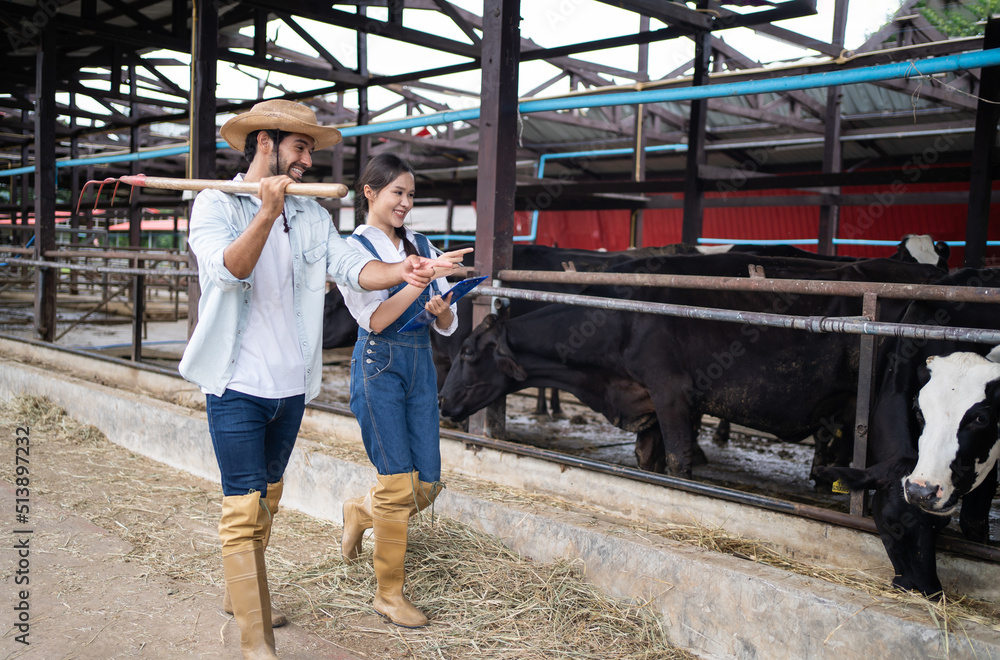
(949, 614)
(485, 601)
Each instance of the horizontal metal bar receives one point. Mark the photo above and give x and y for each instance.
(111, 254)
(157, 272)
(65, 229)
(816, 324)
(815, 287)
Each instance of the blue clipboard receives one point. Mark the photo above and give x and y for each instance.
(425, 318)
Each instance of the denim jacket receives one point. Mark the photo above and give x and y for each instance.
(217, 219)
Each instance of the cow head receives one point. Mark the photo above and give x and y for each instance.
(485, 370)
(958, 445)
(922, 249)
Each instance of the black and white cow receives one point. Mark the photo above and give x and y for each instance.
(656, 375)
(922, 249)
(957, 448)
(933, 436)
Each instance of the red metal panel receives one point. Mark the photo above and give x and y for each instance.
(885, 220)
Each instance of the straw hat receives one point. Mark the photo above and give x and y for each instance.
(287, 116)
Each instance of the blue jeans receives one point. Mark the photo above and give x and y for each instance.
(394, 397)
(253, 438)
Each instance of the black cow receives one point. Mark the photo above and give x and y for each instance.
(339, 327)
(933, 436)
(656, 375)
(539, 257)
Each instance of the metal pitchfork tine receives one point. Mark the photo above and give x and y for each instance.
(99, 189)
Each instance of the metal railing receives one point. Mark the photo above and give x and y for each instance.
(122, 272)
(866, 325)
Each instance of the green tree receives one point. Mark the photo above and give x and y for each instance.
(964, 20)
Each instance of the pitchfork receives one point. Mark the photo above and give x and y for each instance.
(307, 189)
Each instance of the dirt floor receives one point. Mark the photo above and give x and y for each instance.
(123, 563)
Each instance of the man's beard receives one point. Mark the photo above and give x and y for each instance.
(284, 167)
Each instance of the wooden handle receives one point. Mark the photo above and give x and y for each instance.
(307, 189)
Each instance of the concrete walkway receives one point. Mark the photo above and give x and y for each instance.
(85, 602)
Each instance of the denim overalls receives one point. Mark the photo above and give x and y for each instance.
(394, 390)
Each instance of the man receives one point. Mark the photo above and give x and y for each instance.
(257, 349)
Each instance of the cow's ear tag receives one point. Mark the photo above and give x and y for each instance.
(839, 487)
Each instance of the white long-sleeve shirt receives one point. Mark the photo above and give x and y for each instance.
(362, 304)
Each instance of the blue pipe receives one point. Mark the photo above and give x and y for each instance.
(990, 57)
(813, 241)
(117, 158)
(929, 66)
(447, 117)
(978, 59)
(766, 241)
(862, 241)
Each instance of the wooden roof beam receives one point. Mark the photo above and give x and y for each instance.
(673, 14)
(417, 98)
(796, 39)
(452, 12)
(927, 89)
(311, 40)
(815, 107)
(875, 41)
(368, 25)
(718, 105)
(435, 143)
(70, 28)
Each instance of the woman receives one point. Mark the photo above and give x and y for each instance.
(393, 385)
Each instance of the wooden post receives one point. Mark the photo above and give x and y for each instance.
(201, 162)
(829, 214)
(693, 187)
(135, 223)
(74, 193)
(46, 279)
(981, 180)
(363, 143)
(497, 167)
(639, 158)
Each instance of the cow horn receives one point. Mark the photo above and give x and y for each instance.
(994, 355)
(930, 359)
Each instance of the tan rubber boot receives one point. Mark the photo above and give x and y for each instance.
(357, 519)
(426, 493)
(358, 515)
(392, 501)
(246, 576)
(263, 533)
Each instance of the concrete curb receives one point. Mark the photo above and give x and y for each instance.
(718, 606)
